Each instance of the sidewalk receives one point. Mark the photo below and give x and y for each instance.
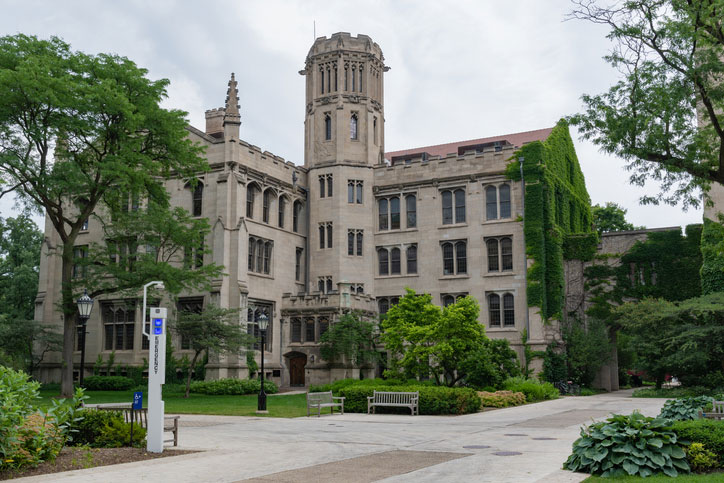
(522, 444)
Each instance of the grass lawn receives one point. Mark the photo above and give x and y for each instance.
(278, 406)
(714, 477)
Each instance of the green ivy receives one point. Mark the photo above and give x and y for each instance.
(557, 205)
(712, 268)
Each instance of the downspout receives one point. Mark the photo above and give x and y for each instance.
(521, 159)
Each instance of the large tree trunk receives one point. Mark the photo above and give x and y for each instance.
(69, 311)
(191, 370)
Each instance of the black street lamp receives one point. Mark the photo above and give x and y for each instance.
(85, 305)
(263, 324)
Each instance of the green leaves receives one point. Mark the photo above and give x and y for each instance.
(633, 445)
(351, 338)
(685, 408)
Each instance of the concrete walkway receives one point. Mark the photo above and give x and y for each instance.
(522, 444)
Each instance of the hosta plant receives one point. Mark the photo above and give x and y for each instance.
(628, 445)
(684, 408)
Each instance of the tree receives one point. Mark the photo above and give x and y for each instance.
(350, 338)
(425, 340)
(81, 134)
(669, 53)
(588, 348)
(213, 330)
(611, 217)
(491, 365)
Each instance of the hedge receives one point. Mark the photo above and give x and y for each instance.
(433, 399)
(232, 387)
(709, 432)
(108, 383)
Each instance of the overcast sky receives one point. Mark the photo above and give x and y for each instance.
(459, 69)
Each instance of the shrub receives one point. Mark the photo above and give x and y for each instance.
(554, 365)
(709, 432)
(118, 434)
(108, 383)
(685, 408)
(433, 399)
(338, 385)
(501, 399)
(89, 425)
(491, 365)
(701, 459)
(633, 445)
(232, 387)
(534, 390)
(672, 392)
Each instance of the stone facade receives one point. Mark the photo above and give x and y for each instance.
(349, 230)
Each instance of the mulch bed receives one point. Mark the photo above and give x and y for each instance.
(71, 458)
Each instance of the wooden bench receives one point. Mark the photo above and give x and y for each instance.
(321, 400)
(140, 417)
(394, 399)
(717, 411)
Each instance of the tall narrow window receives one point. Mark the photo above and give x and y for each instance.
(411, 210)
(359, 192)
(360, 79)
(395, 213)
(329, 235)
(327, 127)
(508, 310)
(329, 80)
(329, 284)
(266, 202)
(395, 261)
(359, 244)
(252, 247)
(282, 208)
(412, 259)
(494, 309)
(382, 208)
(448, 259)
(354, 78)
(296, 330)
(80, 253)
(321, 236)
(374, 129)
(330, 185)
(504, 193)
(335, 78)
(267, 257)
(506, 251)
(447, 211)
(493, 265)
(350, 242)
(459, 206)
(491, 203)
(383, 261)
(250, 201)
(197, 198)
(321, 80)
(298, 264)
(346, 77)
(322, 185)
(383, 305)
(323, 326)
(260, 256)
(309, 330)
(350, 191)
(461, 258)
(297, 209)
(353, 127)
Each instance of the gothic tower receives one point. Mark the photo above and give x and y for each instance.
(344, 138)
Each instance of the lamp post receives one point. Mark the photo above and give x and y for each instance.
(263, 324)
(85, 305)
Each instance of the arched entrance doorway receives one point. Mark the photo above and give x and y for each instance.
(296, 362)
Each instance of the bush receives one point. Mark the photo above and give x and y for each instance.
(338, 385)
(701, 459)
(118, 434)
(709, 432)
(685, 408)
(232, 387)
(501, 399)
(554, 365)
(105, 429)
(491, 365)
(108, 383)
(633, 445)
(433, 399)
(534, 390)
(674, 392)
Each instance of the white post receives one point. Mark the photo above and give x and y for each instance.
(156, 379)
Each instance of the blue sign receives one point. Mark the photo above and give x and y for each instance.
(158, 322)
(138, 400)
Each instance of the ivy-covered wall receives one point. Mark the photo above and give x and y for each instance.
(712, 268)
(557, 206)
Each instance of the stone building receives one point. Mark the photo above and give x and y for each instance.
(349, 230)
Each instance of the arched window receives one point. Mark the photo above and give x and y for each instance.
(508, 310)
(282, 208)
(491, 203)
(411, 210)
(322, 185)
(329, 235)
(395, 261)
(296, 330)
(360, 79)
(493, 256)
(383, 261)
(329, 79)
(250, 193)
(461, 259)
(448, 300)
(329, 285)
(506, 251)
(327, 127)
(447, 212)
(494, 309)
(448, 259)
(354, 78)
(346, 77)
(359, 243)
(321, 80)
(395, 213)
(504, 193)
(320, 285)
(266, 205)
(412, 259)
(267, 257)
(198, 198)
(330, 185)
(297, 209)
(350, 242)
(321, 236)
(323, 323)
(383, 305)
(459, 206)
(382, 208)
(353, 127)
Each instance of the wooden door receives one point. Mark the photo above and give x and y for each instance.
(296, 371)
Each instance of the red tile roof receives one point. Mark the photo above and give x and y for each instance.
(516, 139)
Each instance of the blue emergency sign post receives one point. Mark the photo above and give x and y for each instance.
(137, 405)
(156, 379)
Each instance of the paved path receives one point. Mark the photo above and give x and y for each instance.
(522, 444)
